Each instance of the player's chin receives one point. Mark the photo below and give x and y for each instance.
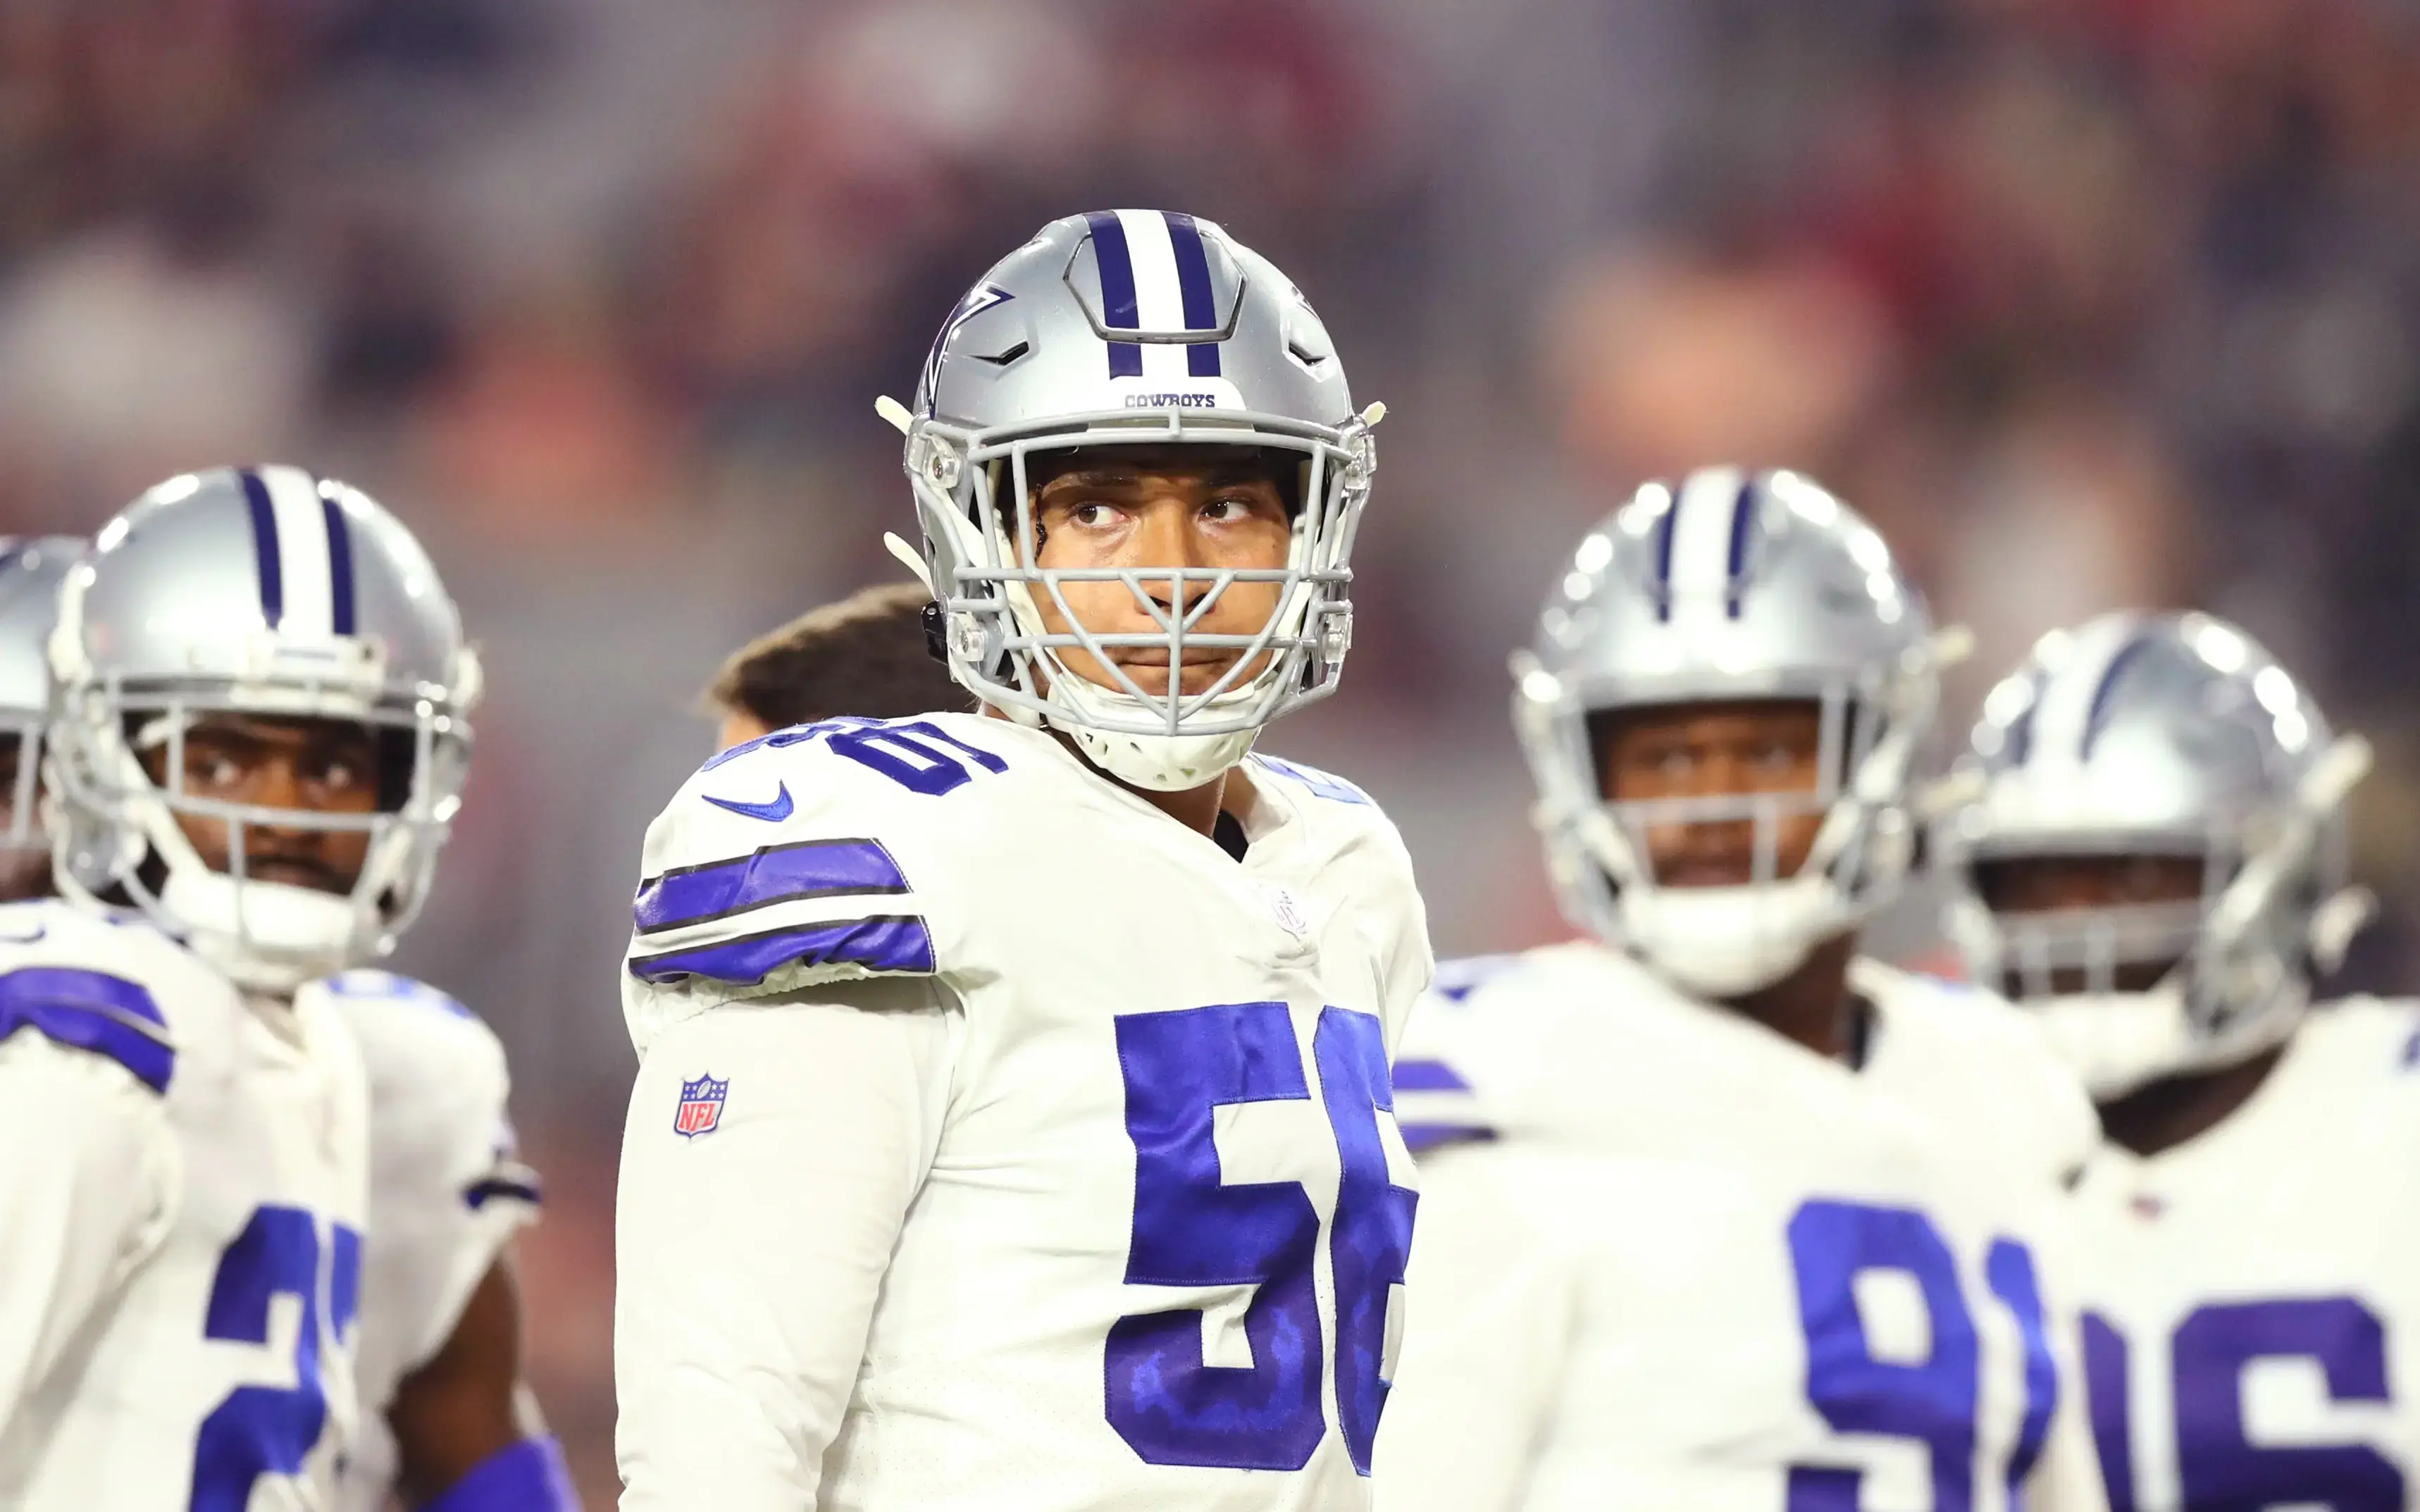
(1152, 678)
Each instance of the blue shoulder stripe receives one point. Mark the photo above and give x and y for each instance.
(1428, 1076)
(107, 1015)
(1327, 785)
(773, 874)
(1420, 1138)
(885, 943)
(1458, 978)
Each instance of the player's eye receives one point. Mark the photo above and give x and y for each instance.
(1774, 759)
(338, 776)
(213, 770)
(1091, 514)
(1228, 509)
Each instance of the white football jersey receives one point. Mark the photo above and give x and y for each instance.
(216, 1375)
(2251, 1328)
(1980, 1068)
(1668, 1259)
(1156, 1240)
(447, 1190)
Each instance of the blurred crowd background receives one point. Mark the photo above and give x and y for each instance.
(2089, 303)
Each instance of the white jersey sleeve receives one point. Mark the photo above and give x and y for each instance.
(447, 1190)
(734, 1376)
(86, 1196)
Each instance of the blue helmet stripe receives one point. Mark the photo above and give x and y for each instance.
(1743, 514)
(1665, 529)
(340, 568)
(1116, 265)
(2019, 742)
(1193, 283)
(264, 547)
(2097, 716)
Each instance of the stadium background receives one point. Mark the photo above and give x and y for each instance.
(2089, 303)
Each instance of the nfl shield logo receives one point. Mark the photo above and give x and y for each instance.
(701, 1107)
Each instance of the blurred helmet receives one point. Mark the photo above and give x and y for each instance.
(2161, 736)
(267, 592)
(1735, 585)
(1119, 328)
(31, 569)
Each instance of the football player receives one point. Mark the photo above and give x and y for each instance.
(30, 571)
(240, 1261)
(1718, 1214)
(867, 655)
(2154, 860)
(1012, 1128)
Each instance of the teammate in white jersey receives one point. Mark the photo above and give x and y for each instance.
(2154, 860)
(1720, 1215)
(1012, 1127)
(255, 747)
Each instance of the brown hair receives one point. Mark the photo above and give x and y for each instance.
(864, 655)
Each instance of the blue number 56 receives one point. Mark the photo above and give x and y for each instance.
(1193, 1229)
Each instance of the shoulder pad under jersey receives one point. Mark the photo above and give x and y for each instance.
(111, 985)
(1967, 1056)
(813, 854)
(1354, 848)
(439, 1127)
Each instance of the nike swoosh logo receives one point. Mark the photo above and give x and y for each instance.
(773, 813)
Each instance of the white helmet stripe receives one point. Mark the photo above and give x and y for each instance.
(1159, 297)
(301, 552)
(1701, 546)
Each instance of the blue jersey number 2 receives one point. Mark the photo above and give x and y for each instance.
(268, 1430)
(1932, 1402)
(1193, 1229)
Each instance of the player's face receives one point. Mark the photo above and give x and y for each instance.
(1744, 748)
(321, 766)
(1160, 506)
(2059, 885)
(25, 870)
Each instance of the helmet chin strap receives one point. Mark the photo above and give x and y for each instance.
(1724, 941)
(2119, 1042)
(269, 937)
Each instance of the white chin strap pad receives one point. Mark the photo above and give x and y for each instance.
(1722, 942)
(2117, 1042)
(268, 936)
(1160, 763)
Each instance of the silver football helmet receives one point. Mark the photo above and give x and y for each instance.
(1118, 328)
(262, 591)
(2160, 736)
(31, 569)
(1734, 585)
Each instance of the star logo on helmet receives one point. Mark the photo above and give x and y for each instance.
(978, 298)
